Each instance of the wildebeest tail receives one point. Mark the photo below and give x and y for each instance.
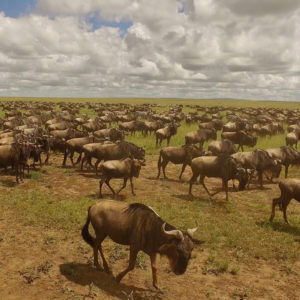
(85, 231)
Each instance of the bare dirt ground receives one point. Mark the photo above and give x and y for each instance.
(40, 262)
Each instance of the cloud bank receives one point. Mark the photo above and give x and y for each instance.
(169, 48)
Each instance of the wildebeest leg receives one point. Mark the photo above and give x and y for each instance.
(156, 141)
(79, 158)
(96, 165)
(192, 180)
(168, 140)
(238, 148)
(260, 179)
(107, 183)
(123, 186)
(47, 157)
(159, 166)
(132, 259)
(71, 157)
(131, 184)
(65, 157)
(95, 248)
(202, 182)
(286, 171)
(226, 189)
(82, 162)
(242, 147)
(285, 203)
(105, 265)
(164, 165)
(100, 187)
(154, 269)
(275, 202)
(182, 170)
(40, 160)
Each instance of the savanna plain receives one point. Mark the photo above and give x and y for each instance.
(244, 256)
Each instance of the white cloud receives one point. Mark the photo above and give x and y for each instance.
(184, 48)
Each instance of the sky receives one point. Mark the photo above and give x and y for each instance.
(160, 48)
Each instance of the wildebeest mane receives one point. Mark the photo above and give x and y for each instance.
(139, 207)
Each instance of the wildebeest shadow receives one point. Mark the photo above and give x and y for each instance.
(165, 179)
(8, 183)
(85, 275)
(106, 196)
(187, 197)
(90, 175)
(281, 227)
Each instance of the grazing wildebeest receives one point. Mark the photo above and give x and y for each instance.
(286, 155)
(200, 136)
(166, 133)
(126, 168)
(290, 189)
(241, 138)
(221, 147)
(258, 160)
(177, 155)
(222, 166)
(138, 226)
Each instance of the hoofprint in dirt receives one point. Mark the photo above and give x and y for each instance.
(42, 255)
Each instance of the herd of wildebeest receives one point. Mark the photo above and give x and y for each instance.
(32, 128)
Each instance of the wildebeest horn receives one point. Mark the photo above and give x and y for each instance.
(191, 231)
(175, 233)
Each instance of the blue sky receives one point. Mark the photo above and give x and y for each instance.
(15, 8)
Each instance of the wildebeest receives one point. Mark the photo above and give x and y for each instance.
(111, 151)
(200, 136)
(286, 155)
(15, 155)
(126, 168)
(177, 155)
(138, 226)
(166, 133)
(240, 138)
(258, 160)
(292, 138)
(75, 145)
(113, 134)
(222, 166)
(221, 147)
(128, 126)
(234, 126)
(152, 126)
(290, 189)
